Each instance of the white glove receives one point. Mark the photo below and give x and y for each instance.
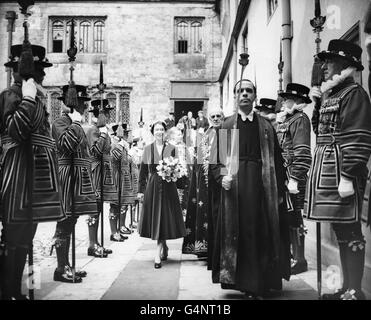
(368, 46)
(29, 88)
(103, 130)
(345, 187)
(292, 186)
(315, 92)
(75, 116)
(227, 182)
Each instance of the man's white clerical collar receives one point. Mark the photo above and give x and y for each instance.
(245, 116)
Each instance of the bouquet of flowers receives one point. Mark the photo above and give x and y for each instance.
(170, 169)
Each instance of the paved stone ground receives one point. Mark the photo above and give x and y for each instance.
(128, 274)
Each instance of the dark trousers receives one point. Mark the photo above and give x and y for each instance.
(295, 216)
(352, 254)
(18, 234)
(348, 232)
(17, 239)
(114, 209)
(64, 229)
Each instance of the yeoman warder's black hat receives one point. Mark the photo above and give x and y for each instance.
(296, 90)
(38, 53)
(343, 49)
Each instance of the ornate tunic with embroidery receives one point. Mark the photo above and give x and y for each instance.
(294, 138)
(29, 160)
(343, 149)
(73, 149)
(100, 146)
(121, 157)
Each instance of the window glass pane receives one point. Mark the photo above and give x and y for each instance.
(124, 107)
(98, 36)
(57, 36)
(196, 40)
(84, 36)
(182, 34)
(86, 39)
(57, 45)
(112, 102)
(68, 33)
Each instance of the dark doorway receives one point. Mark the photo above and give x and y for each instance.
(181, 108)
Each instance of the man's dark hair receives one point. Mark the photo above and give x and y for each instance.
(240, 81)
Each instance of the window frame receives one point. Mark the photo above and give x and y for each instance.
(79, 20)
(52, 34)
(81, 32)
(121, 96)
(102, 33)
(189, 21)
(270, 13)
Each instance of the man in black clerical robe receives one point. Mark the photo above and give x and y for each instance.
(252, 233)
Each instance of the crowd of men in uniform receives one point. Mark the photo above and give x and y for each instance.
(261, 177)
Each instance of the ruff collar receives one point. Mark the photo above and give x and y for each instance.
(281, 116)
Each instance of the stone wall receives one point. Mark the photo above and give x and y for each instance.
(139, 49)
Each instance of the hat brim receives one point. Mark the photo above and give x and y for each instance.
(328, 55)
(12, 64)
(265, 109)
(107, 109)
(307, 100)
(81, 98)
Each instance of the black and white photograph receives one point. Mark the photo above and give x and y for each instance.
(198, 152)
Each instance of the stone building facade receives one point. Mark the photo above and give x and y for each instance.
(158, 56)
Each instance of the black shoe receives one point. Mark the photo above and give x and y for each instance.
(299, 267)
(333, 296)
(81, 273)
(124, 230)
(97, 252)
(158, 265)
(105, 250)
(66, 276)
(116, 237)
(124, 237)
